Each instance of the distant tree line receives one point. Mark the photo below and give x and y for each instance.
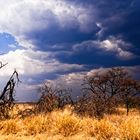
(100, 94)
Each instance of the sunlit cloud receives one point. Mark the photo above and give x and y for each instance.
(29, 62)
(20, 18)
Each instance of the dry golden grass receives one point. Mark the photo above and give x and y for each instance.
(66, 125)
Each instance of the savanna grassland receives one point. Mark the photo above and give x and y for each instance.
(64, 124)
(107, 109)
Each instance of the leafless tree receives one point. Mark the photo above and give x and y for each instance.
(7, 95)
(102, 92)
(130, 90)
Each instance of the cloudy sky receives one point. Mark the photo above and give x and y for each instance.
(60, 40)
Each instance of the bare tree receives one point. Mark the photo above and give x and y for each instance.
(7, 95)
(102, 92)
(130, 90)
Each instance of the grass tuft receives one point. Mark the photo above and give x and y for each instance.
(9, 127)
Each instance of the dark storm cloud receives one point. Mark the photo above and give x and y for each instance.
(60, 27)
(96, 54)
(121, 18)
(62, 39)
(116, 18)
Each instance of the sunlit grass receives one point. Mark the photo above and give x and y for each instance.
(66, 125)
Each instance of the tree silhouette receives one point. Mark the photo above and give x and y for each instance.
(7, 95)
(130, 88)
(103, 92)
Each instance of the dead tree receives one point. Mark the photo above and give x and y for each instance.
(7, 95)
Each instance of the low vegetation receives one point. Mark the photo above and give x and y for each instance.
(65, 124)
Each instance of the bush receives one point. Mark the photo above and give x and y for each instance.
(53, 98)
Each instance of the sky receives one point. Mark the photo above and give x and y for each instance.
(62, 40)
